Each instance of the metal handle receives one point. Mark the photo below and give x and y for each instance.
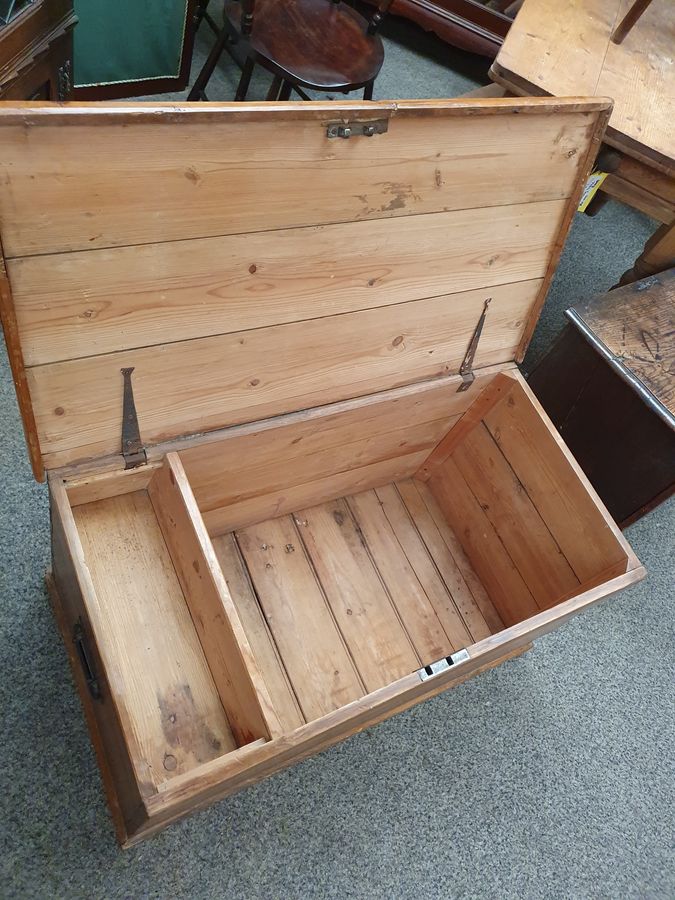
(83, 655)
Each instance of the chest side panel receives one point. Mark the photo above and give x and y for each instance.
(247, 265)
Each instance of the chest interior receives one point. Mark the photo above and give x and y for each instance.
(332, 476)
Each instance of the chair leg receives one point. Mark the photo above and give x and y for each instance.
(209, 66)
(245, 80)
(368, 90)
(285, 92)
(275, 87)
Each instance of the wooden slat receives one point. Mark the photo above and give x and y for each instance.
(482, 544)
(514, 517)
(480, 403)
(452, 601)
(161, 676)
(318, 664)
(409, 595)
(329, 487)
(144, 177)
(242, 690)
(363, 610)
(198, 385)
(448, 553)
(74, 305)
(263, 457)
(257, 631)
(556, 486)
(440, 576)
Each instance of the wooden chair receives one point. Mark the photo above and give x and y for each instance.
(321, 45)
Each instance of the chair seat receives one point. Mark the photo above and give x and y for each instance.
(315, 43)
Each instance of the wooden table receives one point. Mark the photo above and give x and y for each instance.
(608, 384)
(564, 49)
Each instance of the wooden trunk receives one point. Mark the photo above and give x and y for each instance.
(345, 498)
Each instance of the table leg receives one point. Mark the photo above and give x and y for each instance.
(658, 255)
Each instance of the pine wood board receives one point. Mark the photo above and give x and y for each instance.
(257, 630)
(128, 178)
(233, 667)
(168, 693)
(523, 532)
(319, 666)
(546, 52)
(575, 517)
(75, 305)
(252, 461)
(204, 384)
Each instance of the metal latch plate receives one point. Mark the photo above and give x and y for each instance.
(356, 129)
(442, 665)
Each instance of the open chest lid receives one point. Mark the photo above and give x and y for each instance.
(252, 260)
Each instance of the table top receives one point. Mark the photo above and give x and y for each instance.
(564, 49)
(634, 328)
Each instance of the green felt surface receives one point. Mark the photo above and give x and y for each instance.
(127, 40)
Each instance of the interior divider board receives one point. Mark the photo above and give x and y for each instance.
(448, 553)
(318, 663)
(253, 459)
(75, 305)
(377, 640)
(160, 174)
(240, 685)
(555, 484)
(514, 517)
(329, 487)
(185, 387)
(483, 545)
(411, 600)
(155, 663)
(450, 595)
(262, 643)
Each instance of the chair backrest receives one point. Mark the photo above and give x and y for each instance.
(248, 8)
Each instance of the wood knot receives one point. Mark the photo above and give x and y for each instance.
(398, 340)
(59, 411)
(253, 268)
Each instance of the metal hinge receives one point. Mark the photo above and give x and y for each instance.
(353, 129)
(466, 369)
(442, 665)
(132, 447)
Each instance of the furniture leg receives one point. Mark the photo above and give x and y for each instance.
(658, 255)
(368, 91)
(275, 87)
(198, 88)
(629, 20)
(245, 80)
(285, 92)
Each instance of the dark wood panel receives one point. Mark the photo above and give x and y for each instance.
(625, 449)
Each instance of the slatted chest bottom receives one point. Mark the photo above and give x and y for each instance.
(218, 643)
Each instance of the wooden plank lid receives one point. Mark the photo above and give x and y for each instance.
(246, 263)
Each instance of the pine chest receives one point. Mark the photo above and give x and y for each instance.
(266, 355)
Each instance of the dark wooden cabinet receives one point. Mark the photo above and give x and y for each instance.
(608, 385)
(36, 52)
(468, 24)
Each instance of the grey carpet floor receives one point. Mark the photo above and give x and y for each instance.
(550, 777)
